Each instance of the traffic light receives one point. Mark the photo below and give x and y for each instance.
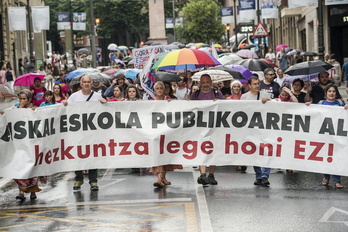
(228, 28)
(97, 21)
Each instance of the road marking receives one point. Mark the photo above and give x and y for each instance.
(330, 212)
(202, 205)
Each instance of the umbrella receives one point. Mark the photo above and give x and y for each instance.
(79, 71)
(230, 59)
(122, 48)
(234, 74)
(156, 43)
(216, 75)
(240, 68)
(118, 61)
(308, 67)
(132, 61)
(96, 77)
(248, 46)
(129, 73)
(247, 54)
(218, 46)
(290, 79)
(28, 79)
(111, 72)
(288, 49)
(6, 92)
(294, 52)
(171, 47)
(270, 62)
(83, 51)
(254, 64)
(185, 59)
(309, 53)
(112, 47)
(242, 45)
(280, 46)
(165, 76)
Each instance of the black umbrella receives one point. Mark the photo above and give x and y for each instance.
(165, 76)
(96, 77)
(254, 64)
(249, 46)
(233, 73)
(309, 53)
(307, 68)
(82, 51)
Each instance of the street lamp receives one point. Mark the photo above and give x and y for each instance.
(30, 34)
(72, 33)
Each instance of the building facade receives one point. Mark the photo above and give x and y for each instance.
(16, 44)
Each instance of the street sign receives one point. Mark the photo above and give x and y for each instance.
(260, 30)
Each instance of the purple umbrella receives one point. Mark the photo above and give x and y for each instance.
(247, 54)
(240, 68)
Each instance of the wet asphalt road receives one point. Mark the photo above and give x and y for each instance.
(128, 202)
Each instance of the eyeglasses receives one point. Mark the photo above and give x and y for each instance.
(271, 74)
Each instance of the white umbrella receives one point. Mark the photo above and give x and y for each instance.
(216, 75)
(229, 59)
(112, 47)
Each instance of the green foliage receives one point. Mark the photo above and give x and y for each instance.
(202, 22)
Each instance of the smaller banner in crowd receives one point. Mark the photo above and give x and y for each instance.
(17, 17)
(141, 55)
(41, 18)
(88, 135)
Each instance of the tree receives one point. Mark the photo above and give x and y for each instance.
(202, 22)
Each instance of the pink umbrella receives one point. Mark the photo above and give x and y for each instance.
(28, 79)
(280, 46)
(247, 54)
(270, 62)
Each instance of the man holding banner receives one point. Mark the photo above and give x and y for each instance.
(85, 94)
(262, 174)
(206, 92)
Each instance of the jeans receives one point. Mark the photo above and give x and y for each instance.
(261, 172)
(335, 179)
(92, 175)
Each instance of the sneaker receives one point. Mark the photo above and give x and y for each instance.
(211, 179)
(265, 181)
(258, 182)
(203, 180)
(77, 185)
(94, 186)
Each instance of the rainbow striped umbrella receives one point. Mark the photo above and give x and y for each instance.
(185, 59)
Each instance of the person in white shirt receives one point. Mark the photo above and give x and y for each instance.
(270, 55)
(280, 76)
(85, 94)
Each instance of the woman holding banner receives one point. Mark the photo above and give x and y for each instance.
(27, 185)
(132, 93)
(330, 95)
(162, 170)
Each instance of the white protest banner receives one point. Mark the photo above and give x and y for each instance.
(40, 17)
(141, 55)
(89, 135)
(17, 17)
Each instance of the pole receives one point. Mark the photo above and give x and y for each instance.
(94, 63)
(173, 5)
(30, 34)
(320, 30)
(72, 33)
(259, 20)
(235, 23)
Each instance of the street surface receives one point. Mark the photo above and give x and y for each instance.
(127, 201)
